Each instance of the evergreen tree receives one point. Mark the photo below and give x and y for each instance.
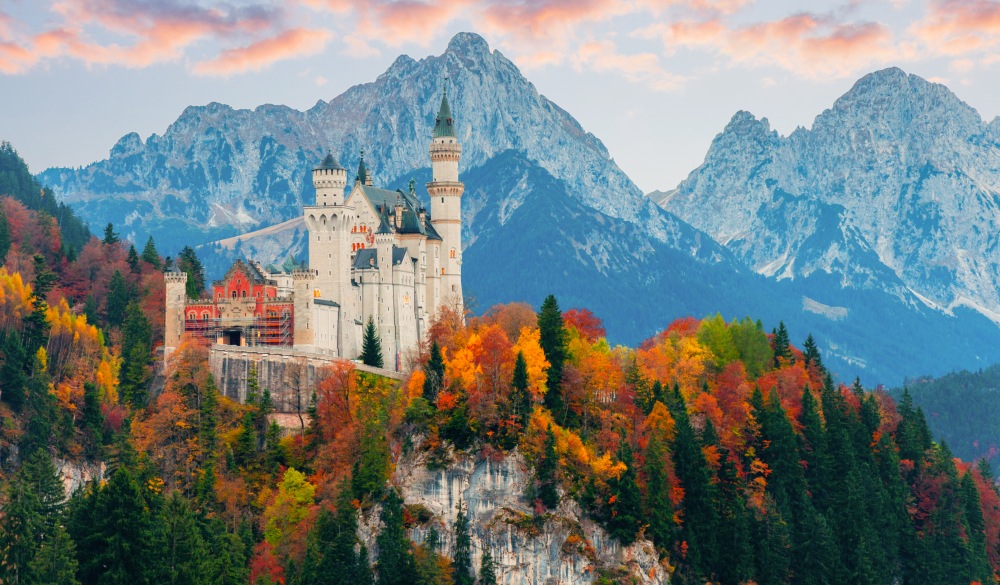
(55, 563)
(371, 468)
(780, 344)
(92, 420)
(395, 564)
(626, 510)
(546, 469)
(735, 550)
(462, 558)
(434, 373)
(137, 370)
(110, 237)
(182, 556)
(659, 508)
(552, 338)
(12, 372)
(37, 330)
(187, 262)
(371, 346)
(150, 255)
(43, 411)
(487, 568)
(133, 260)
(119, 296)
(5, 240)
(811, 353)
(520, 395)
(975, 526)
(19, 533)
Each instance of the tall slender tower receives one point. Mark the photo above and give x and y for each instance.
(176, 295)
(445, 192)
(329, 222)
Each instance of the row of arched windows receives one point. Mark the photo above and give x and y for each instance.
(357, 246)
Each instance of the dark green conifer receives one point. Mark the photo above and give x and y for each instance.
(487, 568)
(118, 299)
(133, 260)
(371, 346)
(780, 344)
(434, 373)
(110, 237)
(626, 510)
(395, 564)
(811, 353)
(5, 240)
(552, 339)
(520, 395)
(187, 262)
(462, 556)
(546, 469)
(150, 255)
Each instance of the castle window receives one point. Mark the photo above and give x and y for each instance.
(234, 294)
(451, 254)
(244, 294)
(442, 200)
(204, 316)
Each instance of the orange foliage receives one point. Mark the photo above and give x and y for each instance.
(528, 344)
(512, 318)
(586, 323)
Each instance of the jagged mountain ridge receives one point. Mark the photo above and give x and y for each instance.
(217, 171)
(899, 170)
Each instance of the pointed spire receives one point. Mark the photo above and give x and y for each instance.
(444, 125)
(362, 176)
(383, 227)
(329, 163)
(413, 186)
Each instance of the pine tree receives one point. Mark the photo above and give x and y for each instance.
(5, 240)
(12, 372)
(780, 344)
(55, 563)
(433, 373)
(626, 509)
(658, 508)
(137, 370)
(187, 262)
(43, 411)
(150, 255)
(371, 346)
(811, 353)
(487, 568)
(552, 338)
(110, 237)
(546, 469)
(462, 558)
(37, 330)
(92, 421)
(975, 526)
(182, 556)
(119, 296)
(19, 533)
(520, 396)
(133, 260)
(395, 564)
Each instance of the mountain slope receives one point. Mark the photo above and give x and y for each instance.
(896, 188)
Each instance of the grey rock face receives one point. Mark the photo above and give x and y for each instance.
(568, 549)
(895, 188)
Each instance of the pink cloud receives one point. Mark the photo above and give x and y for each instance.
(960, 27)
(639, 68)
(256, 56)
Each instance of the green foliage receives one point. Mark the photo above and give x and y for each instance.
(752, 345)
(119, 297)
(520, 396)
(626, 510)
(546, 469)
(110, 236)
(371, 468)
(780, 344)
(150, 255)
(552, 338)
(462, 557)
(137, 371)
(715, 335)
(14, 370)
(371, 346)
(133, 260)
(395, 564)
(187, 262)
(487, 568)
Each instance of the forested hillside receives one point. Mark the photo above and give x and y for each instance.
(726, 447)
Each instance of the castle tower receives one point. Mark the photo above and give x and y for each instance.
(445, 192)
(302, 293)
(363, 176)
(387, 319)
(176, 293)
(329, 222)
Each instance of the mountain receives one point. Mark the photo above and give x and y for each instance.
(895, 188)
(546, 210)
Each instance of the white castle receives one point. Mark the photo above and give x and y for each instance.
(373, 254)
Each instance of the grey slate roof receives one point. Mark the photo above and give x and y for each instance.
(368, 257)
(329, 163)
(443, 124)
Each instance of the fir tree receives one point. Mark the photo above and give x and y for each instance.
(55, 563)
(136, 343)
(462, 558)
(133, 260)
(487, 568)
(187, 262)
(371, 346)
(811, 353)
(12, 372)
(182, 556)
(150, 255)
(19, 533)
(37, 330)
(552, 338)
(92, 421)
(119, 296)
(658, 507)
(520, 396)
(780, 344)
(434, 373)
(626, 509)
(545, 472)
(395, 562)
(110, 237)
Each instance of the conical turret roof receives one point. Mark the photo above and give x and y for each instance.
(444, 125)
(362, 175)
(329, 163)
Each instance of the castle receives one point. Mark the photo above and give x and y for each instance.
(373, 254)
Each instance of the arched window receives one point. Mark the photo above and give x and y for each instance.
(451, 253)
(234, 294)
(244, 294)
(204, 315)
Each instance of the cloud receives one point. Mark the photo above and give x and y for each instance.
(642, 68)
(806, 44)
(256, 56)
(959, 27)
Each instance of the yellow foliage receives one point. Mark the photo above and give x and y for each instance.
(415, 385)
(660, 422)
(461, 367)
(571, 450)
(677, 359)
(534, 357)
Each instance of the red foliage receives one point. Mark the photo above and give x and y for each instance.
(265, 566)
(584, 321)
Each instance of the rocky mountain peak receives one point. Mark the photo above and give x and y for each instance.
(468, 44)
(127, 145)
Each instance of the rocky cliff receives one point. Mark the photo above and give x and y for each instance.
(565, 548)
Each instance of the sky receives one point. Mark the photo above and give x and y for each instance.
(655, 80)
